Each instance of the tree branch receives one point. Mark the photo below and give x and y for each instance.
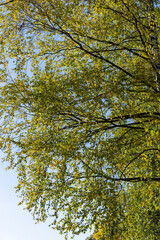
(138, 155)
(133, 179)
(6, 3)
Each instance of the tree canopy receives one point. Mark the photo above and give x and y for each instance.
(80, 113)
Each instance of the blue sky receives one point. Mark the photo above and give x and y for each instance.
(16, 223)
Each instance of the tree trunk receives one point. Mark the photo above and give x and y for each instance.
(154, 43)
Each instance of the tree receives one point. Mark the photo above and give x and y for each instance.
(81, 126)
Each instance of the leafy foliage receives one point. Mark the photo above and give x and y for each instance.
(81, 125)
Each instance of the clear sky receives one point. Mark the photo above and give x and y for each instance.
(16, 223)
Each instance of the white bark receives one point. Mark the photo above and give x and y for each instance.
(154, 43)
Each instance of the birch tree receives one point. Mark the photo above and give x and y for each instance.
(80, 112)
